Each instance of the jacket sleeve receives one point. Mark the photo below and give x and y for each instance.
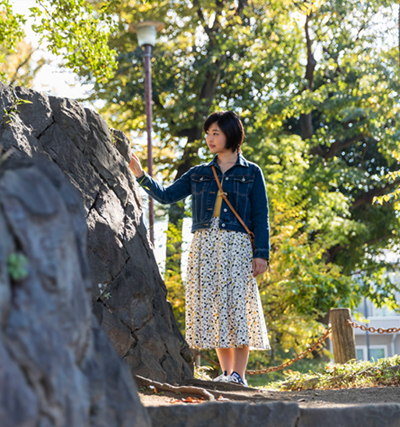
(260, 216)
(180, 189)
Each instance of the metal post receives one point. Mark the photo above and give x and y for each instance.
(197, 357)
(366, 332)
(149, 118)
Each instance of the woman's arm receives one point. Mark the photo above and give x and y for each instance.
(260, 216)
(180, 189)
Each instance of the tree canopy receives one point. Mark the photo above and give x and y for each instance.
(316, 85)
(72, 29)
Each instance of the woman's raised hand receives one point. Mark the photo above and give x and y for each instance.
(135, 166)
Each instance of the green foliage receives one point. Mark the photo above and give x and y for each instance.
(11, 31)
(18, 68)
(17, 265)
(11, 113)
(349, 375)
(314, 84)
(303, 366)
(201, 373)
(324, 135)
(173, 278)
(71, 28)
(10, 26)
(392, 180)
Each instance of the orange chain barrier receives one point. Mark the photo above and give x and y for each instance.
(371, 329)
(290, 362)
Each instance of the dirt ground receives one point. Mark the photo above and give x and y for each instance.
(308, 398)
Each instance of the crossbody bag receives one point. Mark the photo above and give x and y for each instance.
(249, 233)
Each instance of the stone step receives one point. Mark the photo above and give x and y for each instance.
(274, 414)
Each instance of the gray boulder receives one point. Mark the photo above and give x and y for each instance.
(58, 367)
(128, 294)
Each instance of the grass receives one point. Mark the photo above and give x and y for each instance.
(361, 374)
(322, 376)
(303, 366)
(202, 373)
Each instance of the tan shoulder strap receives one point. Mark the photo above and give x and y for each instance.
(250, 233)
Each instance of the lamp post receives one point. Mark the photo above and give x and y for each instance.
(146, 33)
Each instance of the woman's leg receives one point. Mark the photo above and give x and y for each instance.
(225, 357)
(240, 357)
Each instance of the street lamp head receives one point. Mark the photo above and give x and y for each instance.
(146, 31)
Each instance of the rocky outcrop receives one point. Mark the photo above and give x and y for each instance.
(127, 292)
(58, 367)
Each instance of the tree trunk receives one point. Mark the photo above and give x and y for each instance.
(306, 126)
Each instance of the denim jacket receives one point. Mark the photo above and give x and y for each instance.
(245, 187)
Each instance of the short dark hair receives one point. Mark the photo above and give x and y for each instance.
(231, 126)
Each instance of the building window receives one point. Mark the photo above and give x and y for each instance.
(375, 351)
(360, 353)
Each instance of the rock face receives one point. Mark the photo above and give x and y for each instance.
(58, 367)
(127, 291)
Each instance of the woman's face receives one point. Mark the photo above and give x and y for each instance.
(216, 139)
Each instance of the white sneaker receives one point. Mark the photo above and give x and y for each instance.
(224, 378)
(236, 378)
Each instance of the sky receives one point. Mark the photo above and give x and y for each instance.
(53, 80)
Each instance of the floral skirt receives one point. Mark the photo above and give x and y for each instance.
(223, 305)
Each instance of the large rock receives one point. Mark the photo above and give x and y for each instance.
(58, 367)
(128, 294)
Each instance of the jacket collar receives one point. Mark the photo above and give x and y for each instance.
(241, 161)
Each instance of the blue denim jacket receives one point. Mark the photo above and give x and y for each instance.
(245, 187)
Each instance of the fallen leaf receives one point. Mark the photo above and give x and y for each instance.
(155, 390)
(191, 400)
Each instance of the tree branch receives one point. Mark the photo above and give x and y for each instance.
(336, 147)
(141, 381)
(196, 4)
(306, 126)
(335, 249)
(241, 6)
(311, 62)
(20, 65)
(368, 197)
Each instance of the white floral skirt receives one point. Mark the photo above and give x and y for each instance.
(223, 305)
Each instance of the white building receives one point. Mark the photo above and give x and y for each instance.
(380, 345)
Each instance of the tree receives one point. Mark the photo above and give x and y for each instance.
(312, 86)
(212, 57)
(71, 28)
(313, 83)
(18, 69)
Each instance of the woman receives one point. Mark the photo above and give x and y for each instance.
(223, 306)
